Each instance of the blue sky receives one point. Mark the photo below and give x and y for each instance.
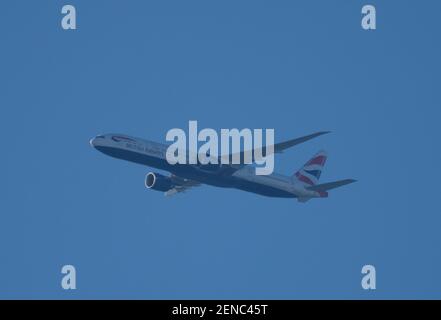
(143, 67)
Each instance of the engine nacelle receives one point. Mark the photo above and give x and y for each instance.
(158, 182)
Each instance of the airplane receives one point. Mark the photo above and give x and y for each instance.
(302, 185)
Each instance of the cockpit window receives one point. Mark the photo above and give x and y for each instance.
(100, 137)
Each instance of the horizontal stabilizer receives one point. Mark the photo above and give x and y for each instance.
(330, 185)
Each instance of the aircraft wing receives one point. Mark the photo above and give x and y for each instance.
(181, 185)
(279, 147)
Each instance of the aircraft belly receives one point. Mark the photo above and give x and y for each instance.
(191, 172)
(262, 189)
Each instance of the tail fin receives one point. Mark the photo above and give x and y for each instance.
(309, 174)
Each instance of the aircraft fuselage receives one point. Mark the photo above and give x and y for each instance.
(153, 154)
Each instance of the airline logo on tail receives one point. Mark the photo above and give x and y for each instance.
(310, 173)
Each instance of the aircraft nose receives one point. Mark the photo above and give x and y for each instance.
(97, 141)
(92, 142)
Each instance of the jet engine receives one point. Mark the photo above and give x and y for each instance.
(158, 182)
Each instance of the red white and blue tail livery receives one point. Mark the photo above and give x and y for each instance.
(309, 174)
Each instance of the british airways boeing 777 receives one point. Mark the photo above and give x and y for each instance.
(302, 185)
